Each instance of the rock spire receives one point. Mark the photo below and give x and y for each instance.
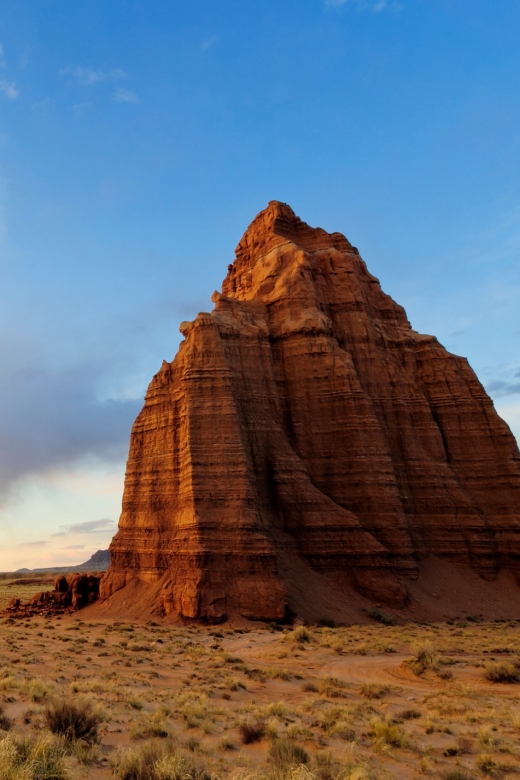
(306, 433)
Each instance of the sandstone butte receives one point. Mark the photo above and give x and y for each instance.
(306, 438)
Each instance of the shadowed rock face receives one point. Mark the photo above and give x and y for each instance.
(304, 425)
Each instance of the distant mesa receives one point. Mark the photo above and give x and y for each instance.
(100, 561)
(307, 449)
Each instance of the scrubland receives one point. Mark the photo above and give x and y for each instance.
(22, 587)
(83, 699)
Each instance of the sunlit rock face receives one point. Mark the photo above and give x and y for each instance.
(304, 427)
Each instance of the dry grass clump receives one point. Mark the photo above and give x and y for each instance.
(284, 752)
(503, 672)
(410, 714)
(155, 761)
(37, 690)
(424, 657)
(300, 634)
(251, 731)
(5, 722)
(381, 616)
(387, 734)
(373, 690)
(36, 758)
(331, 686)
(456, 774)
(73, 720)
(151, 725)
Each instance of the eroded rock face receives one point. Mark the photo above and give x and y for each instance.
(304, 420)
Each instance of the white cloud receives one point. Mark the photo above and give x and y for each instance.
(376, 6)
(208, 43)
(90, 527)
(33, 544)
(89, 76)
(125, 96)
(9, 89)
(78, 109)
(74, 547)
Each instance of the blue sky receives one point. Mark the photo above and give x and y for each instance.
(137, 142)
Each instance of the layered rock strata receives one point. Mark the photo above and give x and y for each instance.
(303, 419)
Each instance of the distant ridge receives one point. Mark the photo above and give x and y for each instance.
(100, 561)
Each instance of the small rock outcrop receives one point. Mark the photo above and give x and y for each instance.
(304, 426)
(73, 592)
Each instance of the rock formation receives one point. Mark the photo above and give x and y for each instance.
(305, 427)
(74, 591)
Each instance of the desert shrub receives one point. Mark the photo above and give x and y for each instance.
(40, 758)
(409, 714)
(424, 658)
(503, 672)
(456, 774)
(343, 730)
(152, 725)
(486, 764)
(5, 722)
(300, 634)
(73, 720)
(387, 733)
(381, 616)
(37, 690)
(309, 687)
(327, 622)
(284, 752)
(251, 732)
(373, 690)
(331, 686)
(155, 761)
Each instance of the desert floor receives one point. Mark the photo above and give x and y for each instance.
(371, 701)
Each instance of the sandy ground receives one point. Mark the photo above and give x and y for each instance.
(347, 696)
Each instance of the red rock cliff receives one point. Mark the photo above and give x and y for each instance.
(304, 425)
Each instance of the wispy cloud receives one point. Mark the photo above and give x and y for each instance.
(208, 43)
(33, 544)
(9, 89)
(90, 76)
(504, 380)
(125, 96)
(78, 109)
(376, 6)
(89, 527)
(74, 547)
